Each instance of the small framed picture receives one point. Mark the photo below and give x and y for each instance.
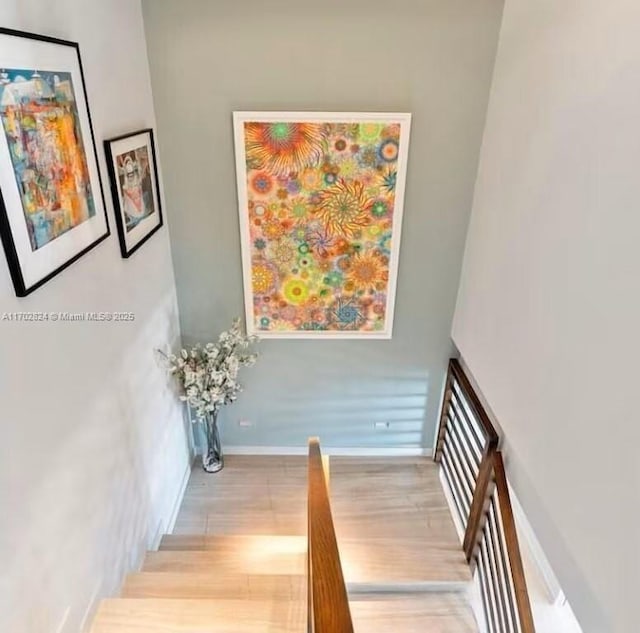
(133, 172)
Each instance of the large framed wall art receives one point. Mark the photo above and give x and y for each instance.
(320, 201)
(51, 204)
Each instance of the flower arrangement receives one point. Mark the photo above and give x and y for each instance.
(208, 374)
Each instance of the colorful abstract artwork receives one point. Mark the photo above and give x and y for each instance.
(320, 211)
(40, 122)
(51, 208)
(134, 186)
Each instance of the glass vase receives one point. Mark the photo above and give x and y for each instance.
(212, 458)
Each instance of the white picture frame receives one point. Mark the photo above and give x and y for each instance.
(344, 175)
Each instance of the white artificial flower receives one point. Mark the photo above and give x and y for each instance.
(207, 374)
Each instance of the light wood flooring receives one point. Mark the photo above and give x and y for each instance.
(236, 559)
(391, 515)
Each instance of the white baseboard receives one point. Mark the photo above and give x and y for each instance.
(531, 548)
(63, 620)
(91, 609)
(347, 451)
(453, 511)
(171, 522)
(153, 545)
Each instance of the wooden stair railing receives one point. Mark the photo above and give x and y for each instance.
(467, 450)
(495, 554)
(328, 604)
(466, 440)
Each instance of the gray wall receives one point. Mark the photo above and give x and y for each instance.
(430, 57)
(548, 312)
(93, 447)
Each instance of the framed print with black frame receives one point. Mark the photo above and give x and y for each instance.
(131, 160)
(52, 208)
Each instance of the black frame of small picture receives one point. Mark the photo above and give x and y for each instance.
(127, 249)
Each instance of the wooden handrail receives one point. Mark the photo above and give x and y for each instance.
(512, 546)
(478, 511)
(328, 604)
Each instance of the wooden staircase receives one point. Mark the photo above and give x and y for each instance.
(228, 583)
(246, 583)
(224, 583)
(373, 550)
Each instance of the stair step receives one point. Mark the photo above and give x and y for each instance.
(125, 615)
(403, 561)
(223, 586)
(433, 612)
(375, 561)
(232, 542)
(222, 561)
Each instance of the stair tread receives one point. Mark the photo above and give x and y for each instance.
(229, 541)
(377, 560)
(416, 613)
(436, 613)
(252, 560)
(207, 585)
(150, 615)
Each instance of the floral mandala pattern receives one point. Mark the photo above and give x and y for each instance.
(283, 148)
(321, 199)
(343, 208)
